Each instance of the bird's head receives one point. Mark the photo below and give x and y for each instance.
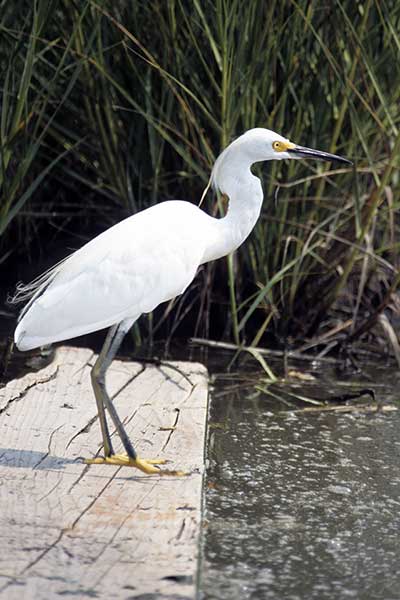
(263, 144)
(258, 145)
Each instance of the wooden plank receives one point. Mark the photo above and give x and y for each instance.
(100, 531)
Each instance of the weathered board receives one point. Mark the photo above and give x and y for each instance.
(100, 531)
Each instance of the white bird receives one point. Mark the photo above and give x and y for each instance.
(146, 259)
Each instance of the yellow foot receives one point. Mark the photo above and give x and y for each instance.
(123, 460)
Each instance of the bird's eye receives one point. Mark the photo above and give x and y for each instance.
(278, 146)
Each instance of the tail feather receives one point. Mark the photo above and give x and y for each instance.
(35, 288)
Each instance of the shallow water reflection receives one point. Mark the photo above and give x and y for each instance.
(302, 506)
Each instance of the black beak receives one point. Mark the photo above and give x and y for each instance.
(301, 152)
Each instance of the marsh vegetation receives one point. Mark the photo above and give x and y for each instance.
(109, 107)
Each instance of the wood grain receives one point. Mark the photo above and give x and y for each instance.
(100, 531)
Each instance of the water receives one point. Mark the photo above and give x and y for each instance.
(302, 506)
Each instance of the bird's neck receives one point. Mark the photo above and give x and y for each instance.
(245, 196)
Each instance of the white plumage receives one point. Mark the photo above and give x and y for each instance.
(128, 270)
(142, 261)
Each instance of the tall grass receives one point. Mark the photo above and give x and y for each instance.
(144, 95)
(31, 98)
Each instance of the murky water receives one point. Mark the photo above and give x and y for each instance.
(302, 506)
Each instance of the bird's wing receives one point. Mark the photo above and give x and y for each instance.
(132, 267)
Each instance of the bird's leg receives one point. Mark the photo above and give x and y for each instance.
(111, 345)
(98, 384)
(113, 341)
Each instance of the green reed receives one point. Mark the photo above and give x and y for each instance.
(142, 96)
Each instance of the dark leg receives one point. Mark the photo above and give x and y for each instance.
(111, 345)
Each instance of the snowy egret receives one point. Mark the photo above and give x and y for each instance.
(144, 260)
